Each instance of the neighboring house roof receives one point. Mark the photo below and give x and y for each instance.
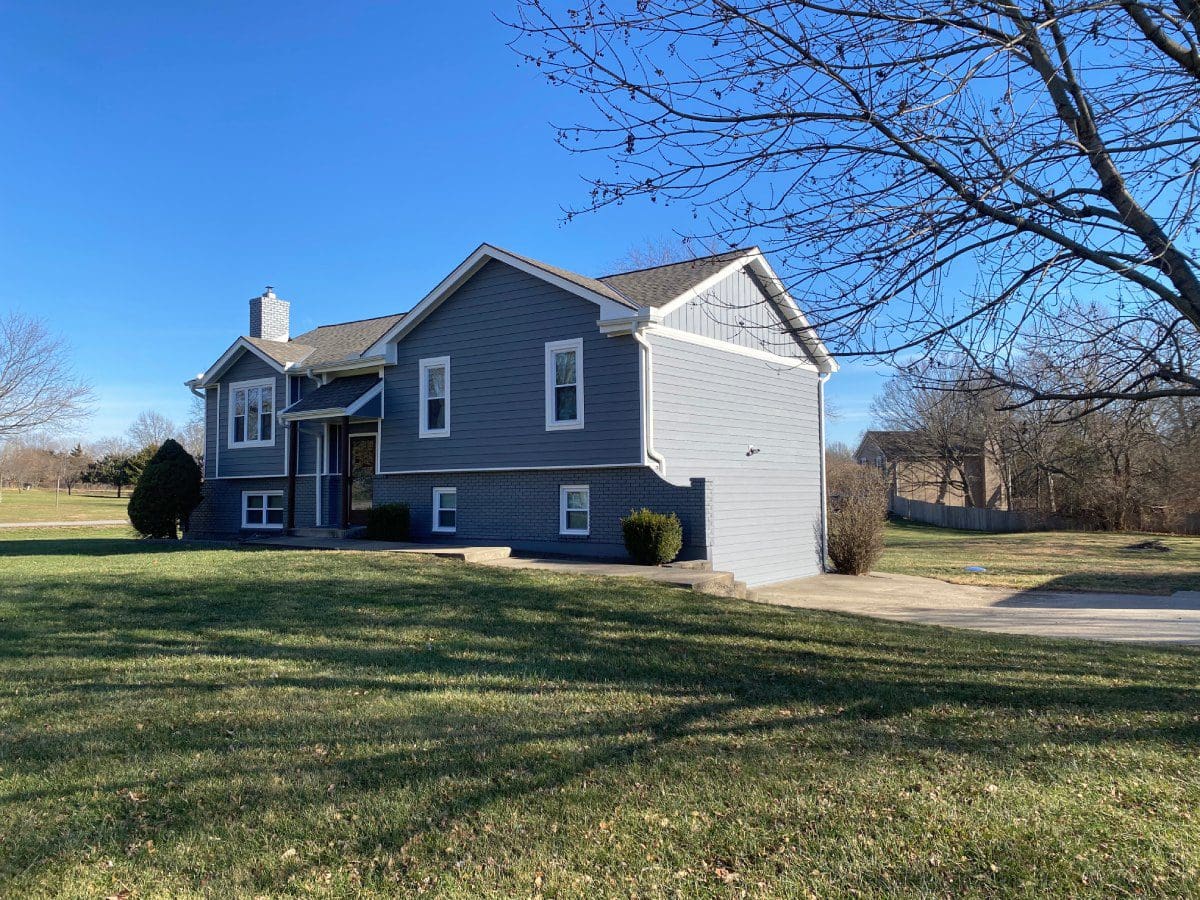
(659, 285)
(342, 395)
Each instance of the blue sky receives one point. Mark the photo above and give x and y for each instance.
(160, 163)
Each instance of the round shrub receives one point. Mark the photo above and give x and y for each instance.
(652, 539)
(389, 522)
(166, 492)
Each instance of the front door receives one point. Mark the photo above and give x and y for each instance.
(362, 477)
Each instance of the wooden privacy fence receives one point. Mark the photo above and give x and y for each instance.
(967, 518)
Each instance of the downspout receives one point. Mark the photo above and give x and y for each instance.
(648, 402)
(821, 379)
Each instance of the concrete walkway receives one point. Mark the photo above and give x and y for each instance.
(906, 598)
(82, 524)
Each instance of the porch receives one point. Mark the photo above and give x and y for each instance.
(333, 438)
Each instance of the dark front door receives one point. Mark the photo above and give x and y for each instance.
(362, 477)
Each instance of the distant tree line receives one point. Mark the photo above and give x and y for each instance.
(1125, 465)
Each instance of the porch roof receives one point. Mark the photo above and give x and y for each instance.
(354, 395)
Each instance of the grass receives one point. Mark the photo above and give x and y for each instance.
(1056, 560)
(39, 505)
(181, 721)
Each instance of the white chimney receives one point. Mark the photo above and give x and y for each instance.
(269, 317)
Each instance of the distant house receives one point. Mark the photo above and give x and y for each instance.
(918, 468)
(519, 403)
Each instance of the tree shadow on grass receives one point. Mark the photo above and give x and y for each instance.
(511, 684)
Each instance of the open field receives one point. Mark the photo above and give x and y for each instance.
(1058, 560)
(183, 721)
(38, 505)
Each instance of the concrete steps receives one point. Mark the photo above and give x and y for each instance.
(335, 533)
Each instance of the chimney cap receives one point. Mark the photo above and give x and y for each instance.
(269, 290)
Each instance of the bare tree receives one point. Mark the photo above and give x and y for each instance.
(38, 387)
(192, 436)
(151, 428)
(938, 178)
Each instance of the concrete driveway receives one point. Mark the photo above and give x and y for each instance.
(905, 598)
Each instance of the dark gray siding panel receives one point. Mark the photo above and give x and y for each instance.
(710, 407)
(211, 413)
(219, 514)
(494, 329)
(737, 310)
(250, 460)
(521, 509)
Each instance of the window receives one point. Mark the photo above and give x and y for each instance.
(435, 397)
(445, 510)
(262, 509)
(252, 414)
(574, 509)
(564, 384)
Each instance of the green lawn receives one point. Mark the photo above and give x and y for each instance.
(40, 505)
(178, 721)
(1058, 560)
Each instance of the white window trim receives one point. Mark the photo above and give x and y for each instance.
(232, 407)
(562, 509)
(264, 495)
(437, 492)
(553, 347)
(426, 364)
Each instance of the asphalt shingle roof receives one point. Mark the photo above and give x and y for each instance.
(659, 285)
(338, 394)
(345, 340)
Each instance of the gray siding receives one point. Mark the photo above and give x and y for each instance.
(494, 329)
(737, 310)
(521, 509)
(245, 461)
(710, 406)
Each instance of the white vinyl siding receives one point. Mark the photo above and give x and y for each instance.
(434, 408)
(574, 509)
(252, 414)
(445, 510)
(262, 509)
(564, 384)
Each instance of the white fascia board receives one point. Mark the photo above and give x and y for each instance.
(241, 344)
(360, 365)
(311, 414)
(468, 267)
(788, 306)
(628, 324)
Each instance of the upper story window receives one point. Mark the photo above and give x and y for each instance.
(564, 384)
(252, 413)
(435, 397)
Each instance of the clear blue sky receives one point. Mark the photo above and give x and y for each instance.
(160, 163)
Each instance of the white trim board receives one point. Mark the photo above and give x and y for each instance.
(636, 465)
(691, 337)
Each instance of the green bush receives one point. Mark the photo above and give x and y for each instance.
(167, 491)
(389, 522)
(652, 539)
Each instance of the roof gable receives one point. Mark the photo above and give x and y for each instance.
(611, 302)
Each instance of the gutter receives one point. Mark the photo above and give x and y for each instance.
(821, 379)
(648, 401)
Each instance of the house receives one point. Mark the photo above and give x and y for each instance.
(919, 468)
(522, 404)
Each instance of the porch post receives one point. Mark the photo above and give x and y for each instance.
(293, 464)
(344, 437)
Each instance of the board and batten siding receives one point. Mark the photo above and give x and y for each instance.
(738, 311)
(494, 329)
(710, 407)
(244, 461)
